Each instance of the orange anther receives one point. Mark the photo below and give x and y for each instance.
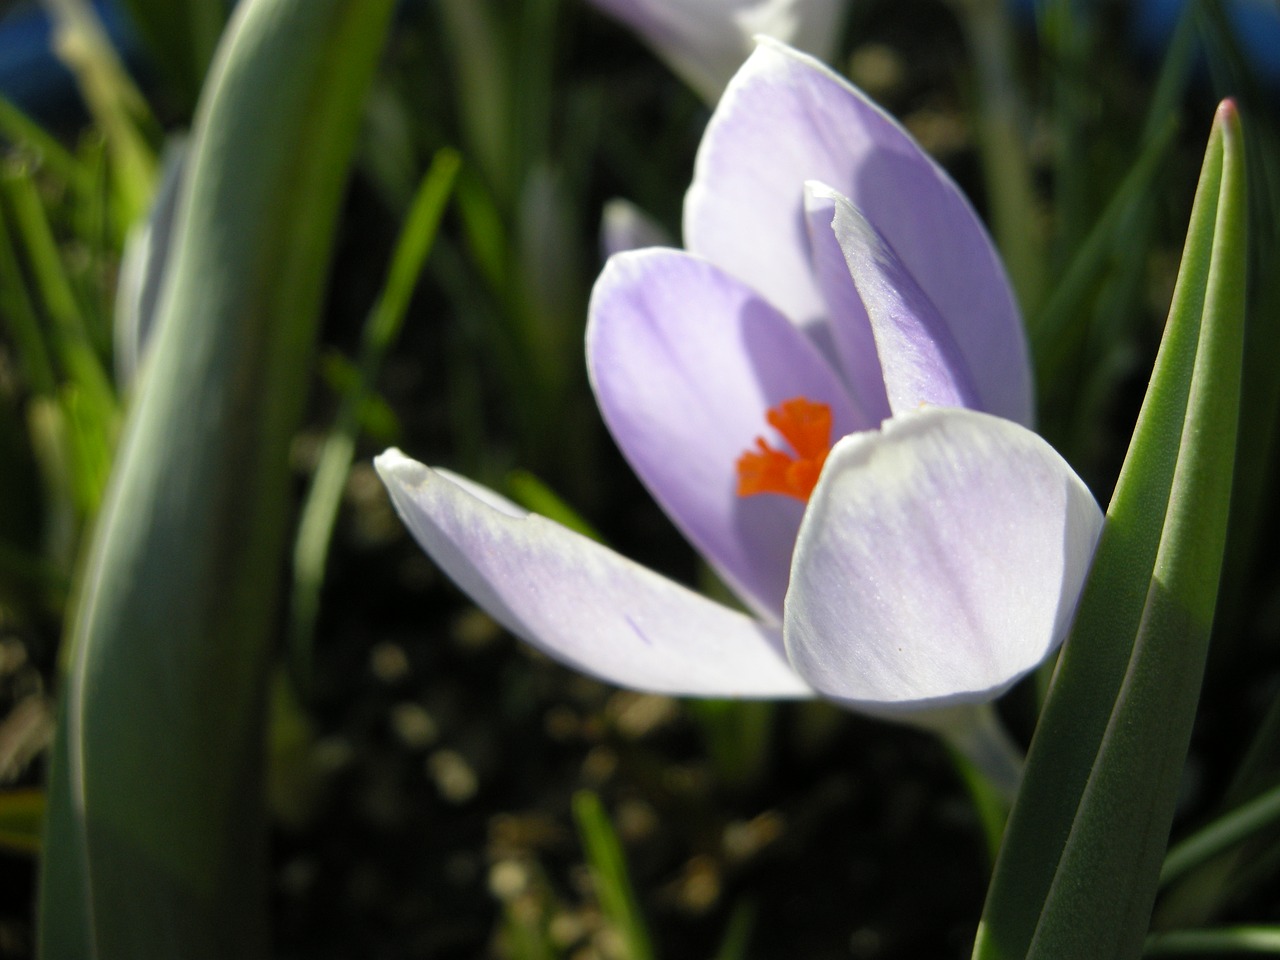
(806, 426)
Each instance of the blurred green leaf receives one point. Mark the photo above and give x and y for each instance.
(482, 75)
(609, 870)
(738, 735)
(117, 106)
(21, 813)
(1081, 340)
(1221, 834)
(43, 148)
(1078, 872)
(180, 38)
(532, 494)
(320, 510)
(736, 943)
(1218, 942)
(160, 846)
(1057, 334)
(1003, 129)
(21, 320)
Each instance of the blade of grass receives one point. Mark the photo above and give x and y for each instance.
(1222, 834)
(1217, 941)
(324, 496)
(22, 321)
(89, 412)
(43, 148)
(118, 107)
(532, 494)
(57, 296)
(181, 37)
(736, 943)
(1002, 139)
(21, 814)
(1056, 333)
(609, 870)
(1064, 346)
(482, 75)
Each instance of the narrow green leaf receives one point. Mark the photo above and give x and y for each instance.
(1056, 332)
(737, 735)
(21, 320)
(1222, 834)
(1215, 941)
(1078, 872)
(482, 74)
(118, 107)
(1002, 127)
(42, 147)
(609, 869)
(181, 38)
(320, 510)
(21, 813)
(70, 335)
(169, 639)
(736, 943)
(531, 493)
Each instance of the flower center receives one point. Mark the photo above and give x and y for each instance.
(806, 426)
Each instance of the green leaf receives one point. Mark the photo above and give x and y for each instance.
(1222, 834)
(320, 511)
(117, 106)
(181, 38)
(159, 778)
(1218, 941)
(609, 871)
(528, 490)
(21, 813)
(1078, 872)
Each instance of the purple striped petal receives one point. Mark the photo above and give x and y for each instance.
(939, 561)
(581, 603)
(786, 119)
(849, 334)
(685, 361)
(919, 359)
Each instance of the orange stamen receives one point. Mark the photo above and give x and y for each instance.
(806, 426)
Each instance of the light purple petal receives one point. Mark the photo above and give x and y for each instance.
(786, 119)
(850, 339)
(939, 561)
(705, 41)
(685, 362)
(919, 360)
(580, 602)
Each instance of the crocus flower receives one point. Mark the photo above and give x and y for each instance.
(705, 41)
(829, 394)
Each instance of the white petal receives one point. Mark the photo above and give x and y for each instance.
(580, 602)
(919, 358)
(940, 559)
